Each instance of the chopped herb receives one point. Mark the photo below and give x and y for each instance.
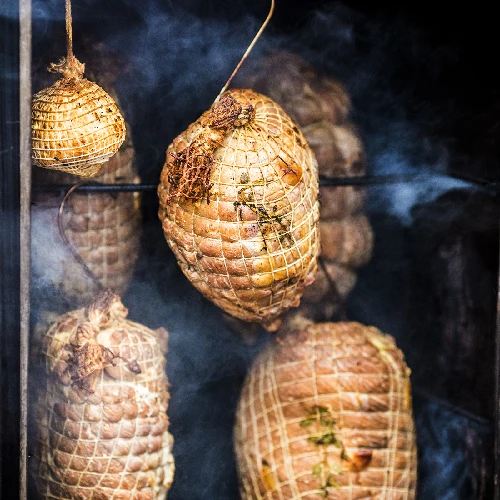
(317, 469)
(336, 469)
(319, 409)
(307, 422)
(266, 221)
(331, 482)
(325, 439)
(327, 422)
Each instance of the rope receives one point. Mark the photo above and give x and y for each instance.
(69, 31)
(245, 55)
(76, 255)
(70, 67)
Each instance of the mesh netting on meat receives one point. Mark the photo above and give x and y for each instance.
(251, 245)
(101, 422)
(76, 127)
(326, 412)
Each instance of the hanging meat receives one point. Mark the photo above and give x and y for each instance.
(321, 108)
(76, 125)
(239, 207)
(103, 229)
(326, 412)
(101, 399)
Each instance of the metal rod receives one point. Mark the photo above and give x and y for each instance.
(25, 227)
(479, 419)
(102, 188)
(367, 180)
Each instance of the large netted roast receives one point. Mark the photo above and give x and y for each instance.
(326, 412)
(321, 108)
(239, 208)
(101, 401)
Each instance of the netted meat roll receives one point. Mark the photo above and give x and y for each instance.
(101, 401)
(239, 207)
(326, 412)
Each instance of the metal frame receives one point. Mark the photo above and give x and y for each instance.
(25, 96)
(490, 188)
(9, 258)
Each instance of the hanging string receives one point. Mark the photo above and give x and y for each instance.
(69, 30)
(62, 232)
(70, 67)
(245, 55)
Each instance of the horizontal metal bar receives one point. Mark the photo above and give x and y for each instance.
(428, 396)
(491, 188)
(102, 188)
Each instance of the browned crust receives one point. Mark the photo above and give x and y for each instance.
(101, 422)
(251, 247)
(326, 413)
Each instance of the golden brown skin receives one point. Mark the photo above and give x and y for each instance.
(76, 127)
(101, 422)
(251, 245)
(325, 412)
(346, 242)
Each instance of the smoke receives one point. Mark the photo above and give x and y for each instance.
(9, 9)
(382, 62)
(444, 439)
(177, 61)
(400, 199)
(48, 258)
(175, 64)
(206, 366)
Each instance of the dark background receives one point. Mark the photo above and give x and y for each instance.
(425, 95)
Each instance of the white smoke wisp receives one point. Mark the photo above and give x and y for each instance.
(398, 199)
(48, 252)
